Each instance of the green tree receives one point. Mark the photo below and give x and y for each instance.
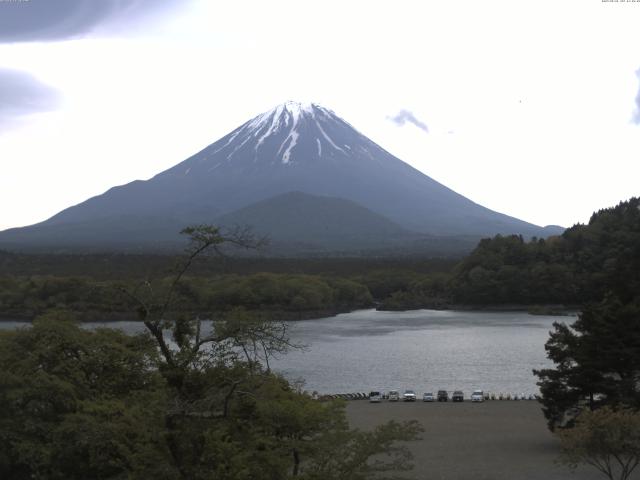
(76, 404)
(80, 404)
(597, 361)
(606, 439)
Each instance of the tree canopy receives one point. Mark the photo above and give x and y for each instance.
(79, 404)
(178, 402)
(606, 439)
(578, 267)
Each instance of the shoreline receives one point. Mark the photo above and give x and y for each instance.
(552, 309)
(287, 316)
(112, 317)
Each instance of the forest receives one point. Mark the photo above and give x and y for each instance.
(566, 270)
(91, 285)
(577, 267)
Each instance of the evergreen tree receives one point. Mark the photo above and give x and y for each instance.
(597, 361)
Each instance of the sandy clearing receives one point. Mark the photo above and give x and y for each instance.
(493, 440)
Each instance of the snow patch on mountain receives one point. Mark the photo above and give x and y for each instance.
(292, 138)
(272, 128)
(324, 134)
(293, 135)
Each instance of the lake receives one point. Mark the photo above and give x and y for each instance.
(425, 350)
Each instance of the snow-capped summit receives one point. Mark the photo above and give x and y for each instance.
(284, 115)
(294, 147)
(289, 133)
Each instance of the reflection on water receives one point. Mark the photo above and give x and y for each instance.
(425, 350)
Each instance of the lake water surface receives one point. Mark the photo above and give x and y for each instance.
(425, 350)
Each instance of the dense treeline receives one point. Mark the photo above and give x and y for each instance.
(577, 267)
(90, 285)
(119, 266)
(279, 294)
(509, 270)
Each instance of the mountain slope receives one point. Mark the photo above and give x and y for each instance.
(293, 147)
(316, 222)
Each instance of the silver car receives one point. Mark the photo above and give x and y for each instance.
(409, 396)
(477, 396)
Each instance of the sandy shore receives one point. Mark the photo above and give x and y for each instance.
(493, 440)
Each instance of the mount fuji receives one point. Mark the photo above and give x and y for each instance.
(299, 173)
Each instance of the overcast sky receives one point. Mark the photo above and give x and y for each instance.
(529, 108)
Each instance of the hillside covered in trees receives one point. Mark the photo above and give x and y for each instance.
(573, 268)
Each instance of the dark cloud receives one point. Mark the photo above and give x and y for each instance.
(405, 116)
(21, 94)
(42, 20)
(636, 113)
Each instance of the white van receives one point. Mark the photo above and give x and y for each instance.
(375, 397)
(394, 395)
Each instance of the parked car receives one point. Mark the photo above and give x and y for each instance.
(428, 397)
(394, 395)
(409, 396)
(375, 397)
(477, 396)
(457, 396)
(443, 396)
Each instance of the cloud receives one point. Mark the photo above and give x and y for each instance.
(42, 20)
(405, 116)
(22, 94)
(636, 113)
